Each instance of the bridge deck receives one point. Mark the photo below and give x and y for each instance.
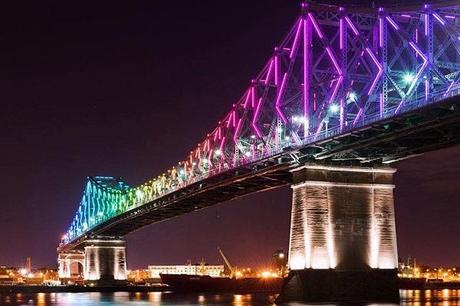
(429, 128)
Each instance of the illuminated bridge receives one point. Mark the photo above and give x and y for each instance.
(345, 94)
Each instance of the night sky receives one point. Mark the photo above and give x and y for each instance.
(127, 89)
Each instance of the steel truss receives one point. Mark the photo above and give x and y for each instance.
(336, 72)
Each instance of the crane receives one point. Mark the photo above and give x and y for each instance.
(227, 263)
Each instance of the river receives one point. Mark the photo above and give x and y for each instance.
(408, 297)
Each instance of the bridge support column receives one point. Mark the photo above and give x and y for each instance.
(343, 240)
(105, 261)
(65, 261)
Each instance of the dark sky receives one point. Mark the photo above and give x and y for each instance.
(126, 88)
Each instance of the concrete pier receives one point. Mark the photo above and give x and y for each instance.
(342, 240)
(105, 261)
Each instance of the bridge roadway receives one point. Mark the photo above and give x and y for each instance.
(409, 134)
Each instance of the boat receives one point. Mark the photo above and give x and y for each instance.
(206, 283)
(233, 282)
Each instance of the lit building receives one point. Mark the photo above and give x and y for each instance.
(196, 269)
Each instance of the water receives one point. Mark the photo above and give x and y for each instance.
(408, 298)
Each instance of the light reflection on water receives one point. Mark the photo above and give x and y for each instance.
(408, 298)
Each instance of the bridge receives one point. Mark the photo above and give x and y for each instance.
(347, 92)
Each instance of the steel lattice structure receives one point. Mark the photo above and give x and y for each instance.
(336, 71)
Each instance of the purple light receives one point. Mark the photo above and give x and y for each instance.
(449, 88)
(254, 119)
(316, 26)
(318, 129)
(379, 74)
(427, 89)
(406, 16)
(269, 72)
(306, 80)
(341, 33)
(381, 31)
(419, 73)
(449, 17)
(341, 114)
(381, 105)
(278, 99)
(339, 71)
(425, 16)
(358, 116)
(334, 61)
(439, 18)
(296, 40)
(352, 26)
(393, 23)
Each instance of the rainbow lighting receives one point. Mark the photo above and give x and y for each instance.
(332, 74)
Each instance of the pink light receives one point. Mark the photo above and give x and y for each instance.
(278, 99)
(393, 23)
(316, 26)
(352, 26)
(234, 118)
(379, 74)
(229, 120)
(222, 145)
(270, 67)
(237, 130)
(254, 119)
(296, 40)
(246, 101)
(276, 70)
(439, 18)
(253, 95)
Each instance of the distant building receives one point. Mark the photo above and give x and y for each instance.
(196, 269)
